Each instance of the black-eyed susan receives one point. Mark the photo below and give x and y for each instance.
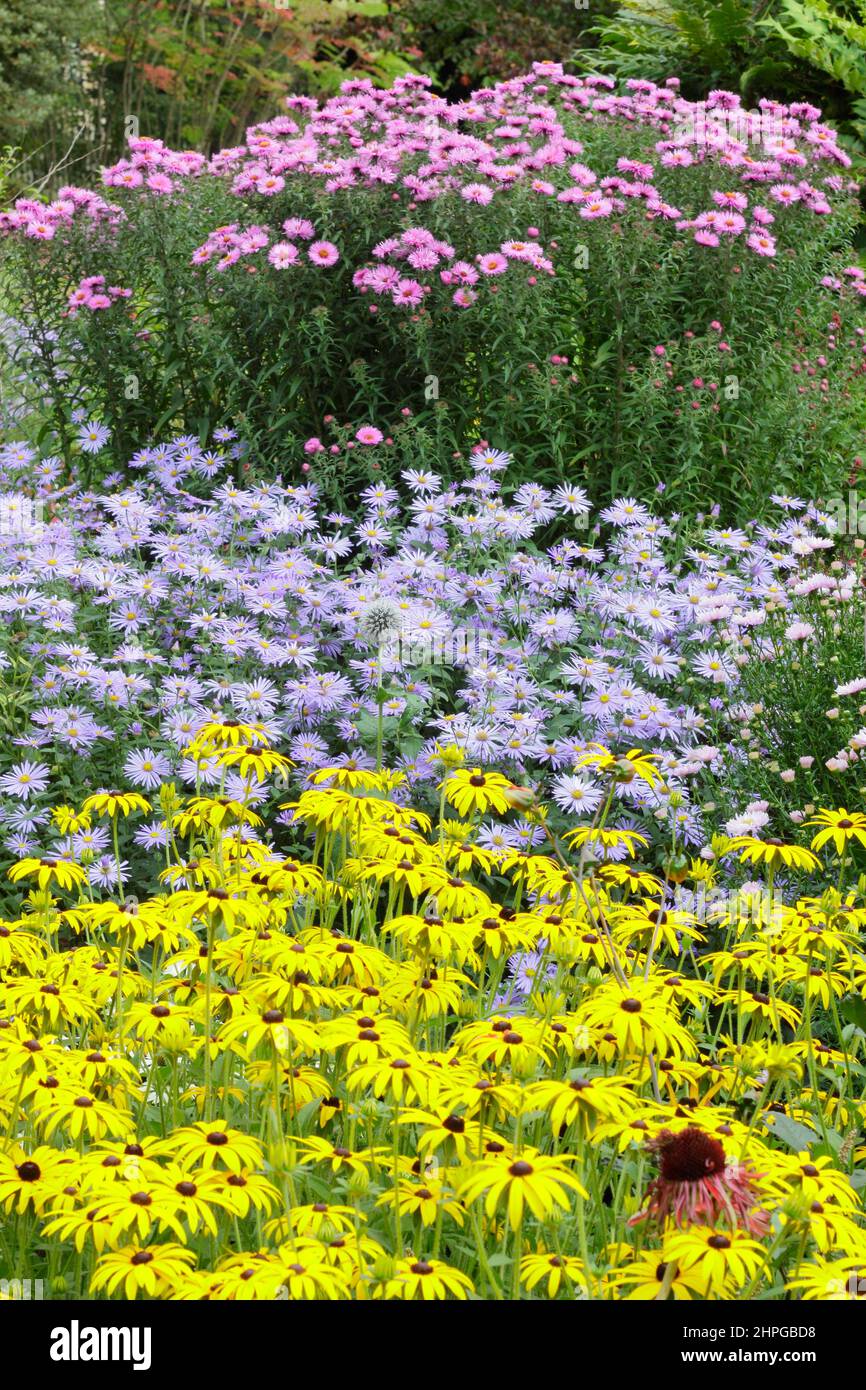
(774, 854)
(640, 1019)
(48, 872)
(428, 1199)
(153, 1270)
(115, 803)
(830, 1280)
(79, 1113)
(582, 1101)
(541, 1182)
(425, 1281)
(650, 1278)
(633, 764)
(723, 1260)
(405, 1078)
(838, 828)
(557, 1273)
(214, 1144)
(32, 1177)
(470, 789)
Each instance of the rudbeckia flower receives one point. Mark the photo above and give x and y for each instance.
(469, 790)
(838, 827)
(540, 1182)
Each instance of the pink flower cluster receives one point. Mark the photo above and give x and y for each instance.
(227, 245)
(417, 249)
(518, 133)
(93, 293)
(41, 221)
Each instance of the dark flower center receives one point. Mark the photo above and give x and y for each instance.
(689, 1156)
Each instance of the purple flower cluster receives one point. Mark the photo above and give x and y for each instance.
(472, 614)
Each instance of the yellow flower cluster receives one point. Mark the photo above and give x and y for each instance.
(365, 1068)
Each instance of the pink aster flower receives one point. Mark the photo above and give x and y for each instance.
(368, 434)
(298, 229)
(408, 293)
(283, 254)
(323, 253)
(596, 207)
(492, 264)
(761, 244)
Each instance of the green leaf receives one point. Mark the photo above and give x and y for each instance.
(853, 1010)
(791, 1132)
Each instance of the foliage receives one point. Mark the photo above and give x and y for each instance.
(781, 47)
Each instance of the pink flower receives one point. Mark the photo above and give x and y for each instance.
(368, 434)
(160, 183)
(323, 253)
(298, 228)
(596, 207)
(283, 254)
(739, 201)
(314, 446)
(407, 292)
(761, 244)
(477, 193)
(492, 264)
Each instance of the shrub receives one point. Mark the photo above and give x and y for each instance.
(618, 282)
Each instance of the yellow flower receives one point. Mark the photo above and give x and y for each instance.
(427, 1199)
(557, 1270)
(839, 827)
(254, 764)
(773, 854)
(635, 763)
(537, 1181)
(469, 790)
(48, 871)
(585, 1100)
(722, 1260)
(425, 1281)
(214, 1145)
(134, 1270)
(646, 1277)
(32, 1177)
(115, 803)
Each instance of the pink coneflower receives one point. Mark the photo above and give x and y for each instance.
(697, 1186)
(323, 253)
